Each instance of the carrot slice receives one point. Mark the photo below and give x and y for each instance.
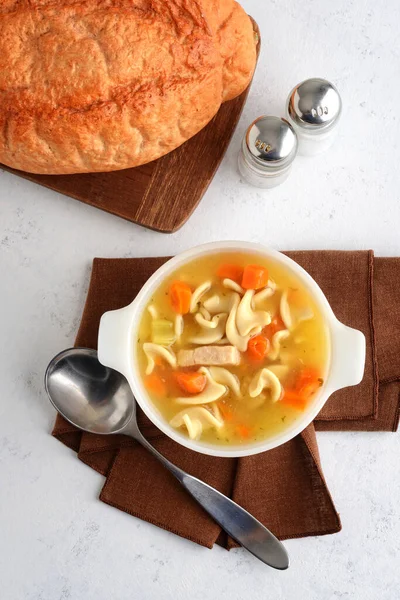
(308, 382)
(258, 347)
(226, 412)
(192, 383)
(155, 384)
(255, 277)
(293, 398)
(276, 325)
(180, 295)
(229, 271)
(243, 431)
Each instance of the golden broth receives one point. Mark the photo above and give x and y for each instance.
(246, 419)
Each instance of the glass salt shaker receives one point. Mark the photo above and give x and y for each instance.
(268, 149)
(313, 108)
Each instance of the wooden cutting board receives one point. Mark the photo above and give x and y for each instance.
(160, 195)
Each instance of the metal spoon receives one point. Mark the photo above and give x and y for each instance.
(99, 400)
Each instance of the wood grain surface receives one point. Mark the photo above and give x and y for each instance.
(160, 195)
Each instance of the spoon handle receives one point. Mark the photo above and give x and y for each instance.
(236, 521)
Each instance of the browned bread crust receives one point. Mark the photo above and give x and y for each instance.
(101, 85)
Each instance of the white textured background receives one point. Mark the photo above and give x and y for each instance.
(57, 541)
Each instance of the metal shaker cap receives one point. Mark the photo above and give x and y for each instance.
(271, 142)
(314, 104)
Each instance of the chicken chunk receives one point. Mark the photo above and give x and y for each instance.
(209, 355)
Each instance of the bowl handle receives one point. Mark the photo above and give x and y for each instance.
(348, 356)
(113, 345)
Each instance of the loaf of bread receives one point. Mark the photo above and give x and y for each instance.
(101, 85)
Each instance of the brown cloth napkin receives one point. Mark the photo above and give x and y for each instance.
(285, 487)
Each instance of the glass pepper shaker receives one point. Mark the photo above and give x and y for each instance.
(313, 108)
(268, 149)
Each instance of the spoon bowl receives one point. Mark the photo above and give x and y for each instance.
(90, 396)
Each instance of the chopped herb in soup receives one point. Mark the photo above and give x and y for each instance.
(232, 348)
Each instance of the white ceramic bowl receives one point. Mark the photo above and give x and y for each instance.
(117, 349)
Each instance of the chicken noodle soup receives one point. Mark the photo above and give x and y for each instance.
(232, 348)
